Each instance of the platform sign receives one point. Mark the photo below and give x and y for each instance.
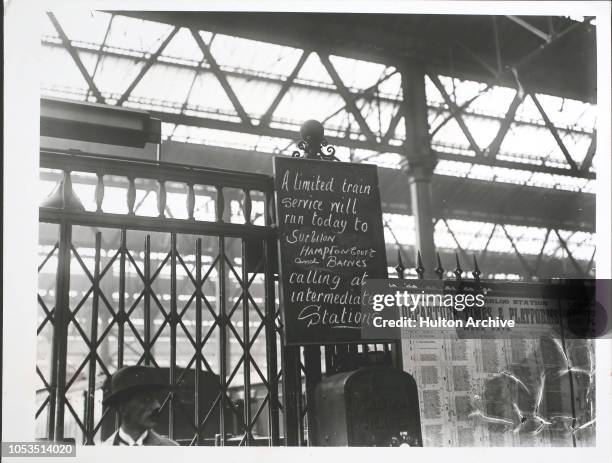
(330, 240)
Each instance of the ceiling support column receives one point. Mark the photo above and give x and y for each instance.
(420, 162)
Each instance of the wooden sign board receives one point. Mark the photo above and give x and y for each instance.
(330, 240)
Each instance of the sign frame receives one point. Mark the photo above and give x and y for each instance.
(289, 337)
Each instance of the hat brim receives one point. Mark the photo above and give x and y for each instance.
(116, 397)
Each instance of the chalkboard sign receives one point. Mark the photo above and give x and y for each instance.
(330, 240)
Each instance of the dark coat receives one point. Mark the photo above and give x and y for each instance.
(152, 439)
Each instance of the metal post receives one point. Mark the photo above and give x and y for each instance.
(198, 336)
(147, 301)
(271, 338)
(173, 323)
(222, 338)
(270, 328)
(91, 387)
(420, 162)
(312, 364)
(292, 390)
(121, 312)
(60, 336)
(246, 337)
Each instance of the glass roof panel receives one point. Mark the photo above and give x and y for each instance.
(482, 130)
(314, 71)
(208, 93)
(255, 96)
(168, 83)
(495, 102)
(46, 27)
(377, 114)
(183, 45)
(307, 104)
(392, 86)
(399, 229)
(564, 112)
(450, 135)
(115, 74)
(137, 34)
(88, 27)
(357, 74)
(460, 91)
(57, 69)
(250, 54)
(534, 141)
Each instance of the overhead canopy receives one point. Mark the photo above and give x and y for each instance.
(553, 55)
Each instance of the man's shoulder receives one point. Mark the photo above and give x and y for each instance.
(157, 439)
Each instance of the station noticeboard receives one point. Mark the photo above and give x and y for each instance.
(330, 240)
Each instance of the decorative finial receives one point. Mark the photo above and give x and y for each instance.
(313, 141)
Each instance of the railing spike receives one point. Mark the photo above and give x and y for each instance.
(476, 273)
(400, 265)
(458, 270)
(420, 269)
(439, 270)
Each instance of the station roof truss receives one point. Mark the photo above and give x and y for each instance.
(506, 112)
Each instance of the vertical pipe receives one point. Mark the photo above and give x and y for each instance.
(99, 192)
(291, 390)
(131, 195)
(420, 160)
(147, 300)
(222, 339)
(570, 376)
(161, 199)
(299, 397)
(91, 387)
(190, 201)
(246, 336)
(173, 323)
(312, 364)
(270, 330)
(247, 206)
(198, 336)
(121, 311)
(60, 334)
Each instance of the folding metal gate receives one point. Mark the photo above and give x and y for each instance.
(173, 289)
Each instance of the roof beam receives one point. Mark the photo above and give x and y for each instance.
(246, 74)
(531, 28)
(495, 145)
(267, 116)
(152, 60)
(393, 125)
(220, 75)
(456, 114)
(569, 254)
(219, 124)
(527, 268)
(347, 97)
(588, 159)
(554, 132)
(75, 57)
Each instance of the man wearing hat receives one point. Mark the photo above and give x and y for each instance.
(134, 394)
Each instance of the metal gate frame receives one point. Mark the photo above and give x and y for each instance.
(67, 213)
